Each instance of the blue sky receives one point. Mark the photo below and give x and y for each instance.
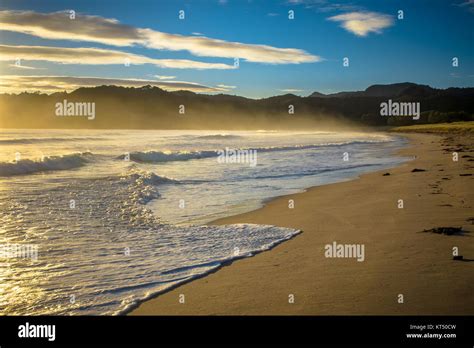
(380, 47)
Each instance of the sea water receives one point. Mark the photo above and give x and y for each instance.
(118, 216)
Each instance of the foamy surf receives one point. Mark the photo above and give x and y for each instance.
(280, 234)
(143, 185)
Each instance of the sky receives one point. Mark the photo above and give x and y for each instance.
(252, 48)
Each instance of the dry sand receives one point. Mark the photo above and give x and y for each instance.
(399, 258)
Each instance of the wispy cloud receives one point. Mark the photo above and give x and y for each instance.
(97, 56)
(469, 5)
(325, 5)
(226, 86)
(206, 47)
(21, 66)
(291, 90)
(58, 25)
(363, 23)
(164, 77)
(50, 84)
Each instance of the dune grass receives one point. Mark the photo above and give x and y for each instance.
(454, 127)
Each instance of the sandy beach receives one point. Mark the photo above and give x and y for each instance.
(400, 259)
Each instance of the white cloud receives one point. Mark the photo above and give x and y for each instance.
(325, 5)
(226, 86)
(164, 77)
(291, 90)
(363, 23)
(21, 66)
(58, 25)
(469, 4)
(50, 84)
(206, 47)
(97, 56)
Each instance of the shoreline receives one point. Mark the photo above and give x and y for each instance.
(264, 201)
(242, 298)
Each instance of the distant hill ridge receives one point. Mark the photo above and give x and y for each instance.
(392, 90)
(152, 107)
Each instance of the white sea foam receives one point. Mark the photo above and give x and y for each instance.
(235, 242)
(143, 185)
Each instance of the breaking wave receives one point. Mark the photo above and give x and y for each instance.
(219, 136)
(170, 156)
(45, 140)
(50, 163)
(142, 185)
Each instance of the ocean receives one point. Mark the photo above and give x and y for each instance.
(118, 216)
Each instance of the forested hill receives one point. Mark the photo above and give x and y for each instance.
(153, 108)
